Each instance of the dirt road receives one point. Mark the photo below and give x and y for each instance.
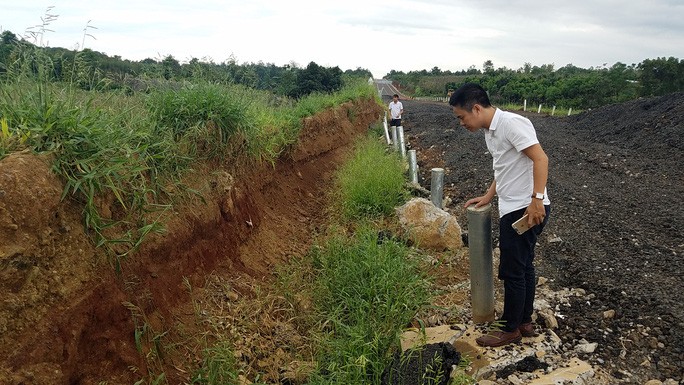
(617, 189)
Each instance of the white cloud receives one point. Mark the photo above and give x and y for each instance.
(378, 35)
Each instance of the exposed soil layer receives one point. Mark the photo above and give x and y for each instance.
(66, 317)
(617, 189)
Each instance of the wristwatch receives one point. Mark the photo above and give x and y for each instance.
(538, 196)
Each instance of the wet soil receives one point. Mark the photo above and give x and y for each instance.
(616, 182)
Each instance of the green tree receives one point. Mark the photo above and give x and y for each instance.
(287, 82)
(171, 68)
(315, 78)
(359, 72)
(8, 41)
(488, 66)
(661, 76)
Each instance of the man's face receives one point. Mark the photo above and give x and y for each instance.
(469, 119)
(395, 99)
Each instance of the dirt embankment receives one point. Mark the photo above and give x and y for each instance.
(67, 318)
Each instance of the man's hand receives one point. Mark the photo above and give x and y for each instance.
(535, 212)
(484, 199)
(479, 201)
(540, 172)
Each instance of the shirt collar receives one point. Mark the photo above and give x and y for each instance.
(495, 120)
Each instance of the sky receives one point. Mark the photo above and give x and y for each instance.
(402, 35)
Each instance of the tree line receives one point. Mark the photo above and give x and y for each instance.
(94, 70)
(568, 86)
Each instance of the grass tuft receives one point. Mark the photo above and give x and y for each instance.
(366, 292)
(372, 183)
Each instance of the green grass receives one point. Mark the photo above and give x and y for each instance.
(218, 366)
(365, 293)
(315, 102)
(372, 182)
(364, 290)
(361, 292)
(99, 152)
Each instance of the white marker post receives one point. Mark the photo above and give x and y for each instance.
(413, 166)
(553, 110)
(387, 136)
(402, 141)
(539, 109)
(395, 140)
(437, 187)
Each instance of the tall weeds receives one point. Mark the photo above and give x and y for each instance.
(122, 156)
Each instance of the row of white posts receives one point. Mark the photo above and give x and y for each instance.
(433, 98)
(443, 99)
(479, 230)
(553, 110)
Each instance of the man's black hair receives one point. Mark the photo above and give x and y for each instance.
(395, 96)
(469, 95)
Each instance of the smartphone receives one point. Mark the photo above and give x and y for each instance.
(521, 225)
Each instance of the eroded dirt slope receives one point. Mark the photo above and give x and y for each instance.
(67, 318)
(617, 189)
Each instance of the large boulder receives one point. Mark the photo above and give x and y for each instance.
(428, 226)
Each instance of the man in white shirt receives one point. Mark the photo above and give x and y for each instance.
(520, 174)
(395, 109)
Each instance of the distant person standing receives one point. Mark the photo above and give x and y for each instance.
(396, 109)
(521, 170)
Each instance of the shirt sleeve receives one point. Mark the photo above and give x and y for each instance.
(520, 132)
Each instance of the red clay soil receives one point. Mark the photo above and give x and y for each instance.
(66, 317)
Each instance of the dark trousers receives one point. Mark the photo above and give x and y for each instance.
(395, 122)
(516, 269)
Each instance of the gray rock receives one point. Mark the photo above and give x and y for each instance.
(609, 314)
(586, 348)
